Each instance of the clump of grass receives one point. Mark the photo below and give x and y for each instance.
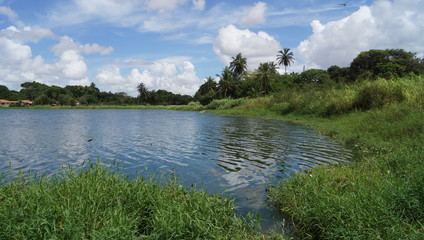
(377, 94)
(99, 203)
(227, 103)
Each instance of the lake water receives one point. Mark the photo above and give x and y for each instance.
(232, 155)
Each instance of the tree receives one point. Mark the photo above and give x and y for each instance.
(383, 63)
(209, 85)
(313, 76)
(207, 91)
(4, 92)
(227, 84)
(285, 58)
(265, 75)
(143, 93)
(339, 74)
(31, 90)
(238, 66)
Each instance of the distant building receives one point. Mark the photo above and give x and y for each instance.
(7, 103)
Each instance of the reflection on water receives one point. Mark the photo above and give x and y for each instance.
(221, 154)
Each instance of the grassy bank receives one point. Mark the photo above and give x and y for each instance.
(381, 196)
(101, 203)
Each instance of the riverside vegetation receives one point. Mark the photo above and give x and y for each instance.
(101, 203)
(376, 105)
(381, 194)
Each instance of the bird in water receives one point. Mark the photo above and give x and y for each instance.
(345, 4)
(90, 139)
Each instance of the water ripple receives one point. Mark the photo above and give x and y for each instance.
(221, 154)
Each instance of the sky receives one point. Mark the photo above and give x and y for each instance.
(175, 44)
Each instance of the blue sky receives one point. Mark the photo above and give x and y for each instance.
(175, 44)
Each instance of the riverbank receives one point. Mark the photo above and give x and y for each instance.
(101, 203)
(381, 196)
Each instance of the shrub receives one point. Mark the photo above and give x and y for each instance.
(377, 94)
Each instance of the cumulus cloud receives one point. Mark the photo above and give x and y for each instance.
(385, 24)
(72, 65)
(256, 47)
(199, 4)
(176, 75)
(254, 15)
(18, 64)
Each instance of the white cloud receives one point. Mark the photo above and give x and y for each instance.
(176, 75)
(18, 64)
(199, 4)
(385, 24)
(8, 12)
(96, 48)
(72, 65)
(13, 52)
(256, 47)
(110, 8)
(255, 15)
(66, 43)
(26, 34)
(162, 5)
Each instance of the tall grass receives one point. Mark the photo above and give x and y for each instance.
(379, 197)
(101, 203)
(340, 99)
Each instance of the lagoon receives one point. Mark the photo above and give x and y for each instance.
(236, 156)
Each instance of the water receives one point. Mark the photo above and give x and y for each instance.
(232, 155)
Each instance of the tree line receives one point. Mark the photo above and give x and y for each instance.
(42, 94)
(236, 82)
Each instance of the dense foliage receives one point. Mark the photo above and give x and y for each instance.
(236, 82)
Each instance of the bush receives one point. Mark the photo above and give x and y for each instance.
(377, 94)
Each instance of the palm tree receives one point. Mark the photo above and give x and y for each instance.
(226, 85)
(265, 74)
(285, 58)
(209, 85)
(238, 65)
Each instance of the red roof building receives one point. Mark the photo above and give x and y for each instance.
(7, 103)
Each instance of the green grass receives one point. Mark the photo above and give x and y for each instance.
(101, 203)
(379, 196)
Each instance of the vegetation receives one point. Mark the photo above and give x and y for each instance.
(101, 203)
(377, 106)
(285, 57)
(42, 94)
(381, 194)
(236, 82)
